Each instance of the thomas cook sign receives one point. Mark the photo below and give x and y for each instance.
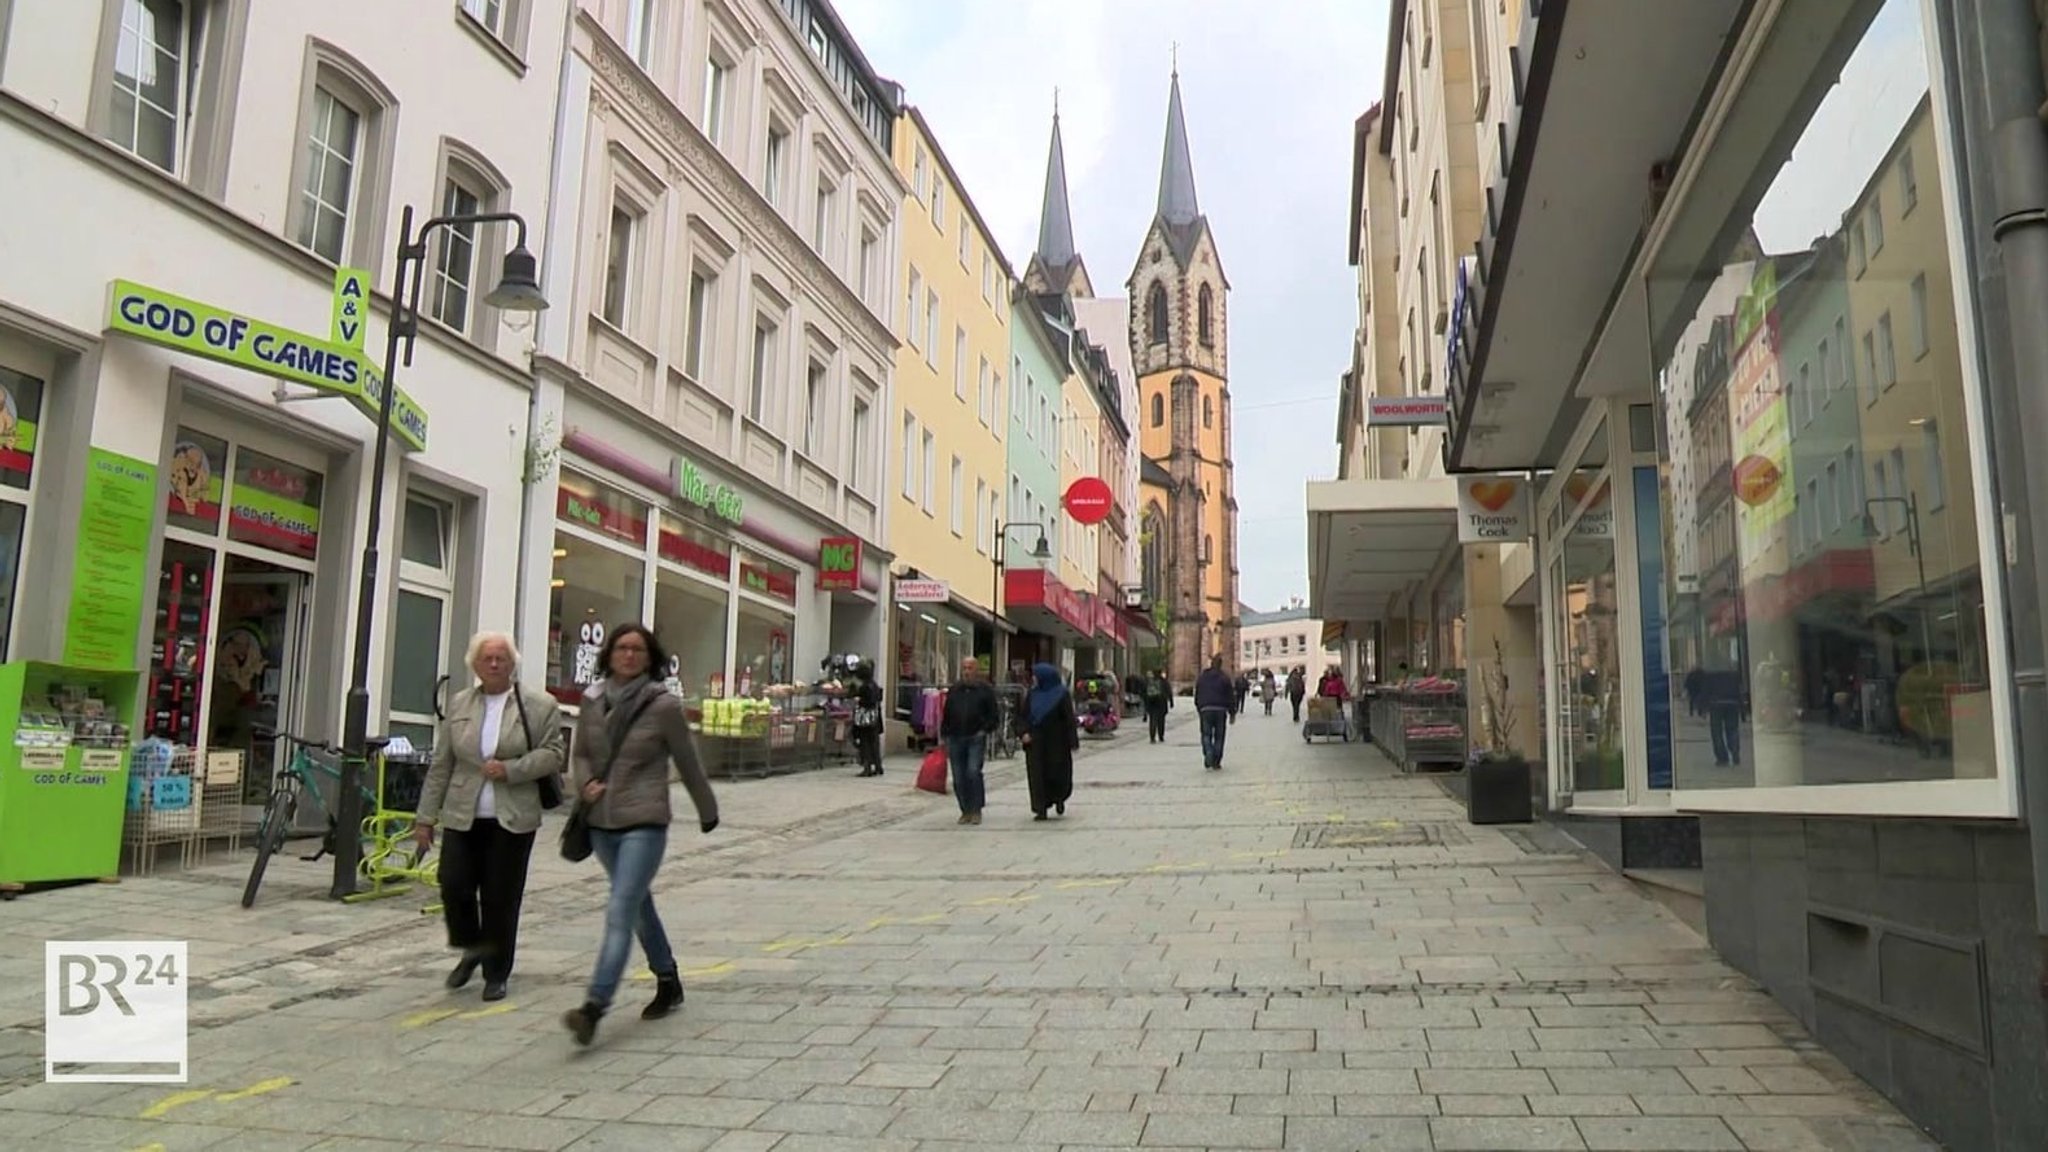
(225, 337)
(1492, 509)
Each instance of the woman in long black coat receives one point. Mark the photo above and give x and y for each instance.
(1050, 732)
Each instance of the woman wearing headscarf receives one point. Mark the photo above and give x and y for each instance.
(483, 791)
(1050, 733)
(632, 728)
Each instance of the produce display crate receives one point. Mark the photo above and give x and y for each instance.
(1421, 722)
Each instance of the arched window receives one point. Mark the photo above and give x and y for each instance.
(1155, 314)
(1208, 548)
(1154, 553)
(1158, 409)
(1206, 319)
(1208, 414)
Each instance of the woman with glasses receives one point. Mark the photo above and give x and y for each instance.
(631, 730)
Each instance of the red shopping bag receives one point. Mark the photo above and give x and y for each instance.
(931, 775)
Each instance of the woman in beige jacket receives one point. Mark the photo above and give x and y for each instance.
(498, 742)
(632, 728)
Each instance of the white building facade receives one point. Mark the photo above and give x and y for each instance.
(185, 179)
(716, 374)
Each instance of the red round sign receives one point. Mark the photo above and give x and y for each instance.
(1088, 500)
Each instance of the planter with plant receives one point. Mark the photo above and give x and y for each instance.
(1497, 776)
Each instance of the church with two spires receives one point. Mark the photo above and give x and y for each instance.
(1178, 327)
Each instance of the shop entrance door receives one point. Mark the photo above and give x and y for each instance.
(258, 667)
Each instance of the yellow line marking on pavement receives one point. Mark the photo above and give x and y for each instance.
(1274, 855)
(1178, 867)
(786, 944)
(481, 1013)
(260, 1088)
(151, 1148)
(985, 901)
(175, 1100)
(431, 1015)
(721, 968)
(1068, 885)
(1387, 824)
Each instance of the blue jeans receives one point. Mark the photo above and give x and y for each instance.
(966, 754)
(630, 857)
(1215, 726)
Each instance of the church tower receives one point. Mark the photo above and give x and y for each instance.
(1180, 327)
(1055, 268)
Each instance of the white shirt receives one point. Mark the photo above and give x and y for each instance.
(494, 717)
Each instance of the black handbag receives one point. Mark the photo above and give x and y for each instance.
(550, 784)
(576, 830)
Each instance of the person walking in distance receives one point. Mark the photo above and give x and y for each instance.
(1158, 701)
(1268, 690)
(1051, 734)
(866, 726)
(494, 752)
(1297, 687)
(972, 712)
(1216, 704)
(632, 728)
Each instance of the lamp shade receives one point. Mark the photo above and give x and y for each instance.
(518, 287)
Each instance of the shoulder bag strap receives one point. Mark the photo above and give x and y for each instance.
(612, 759)
(525, 729)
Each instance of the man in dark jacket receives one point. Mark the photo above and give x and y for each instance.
(1216, 704)
(1158, 700)
(972, 712)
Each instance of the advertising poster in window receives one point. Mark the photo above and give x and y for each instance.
(193, 481)
(21, 405)
(275, 505)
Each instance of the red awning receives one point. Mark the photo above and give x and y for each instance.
(1038, 602)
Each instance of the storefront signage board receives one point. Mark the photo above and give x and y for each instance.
(923, 591)
(1088, 500)
(1406, 411)
(1493, 510)
(351, 306)
(693, 487)
(225, 337)
(110, 568)
(839, 564)
(767, 582)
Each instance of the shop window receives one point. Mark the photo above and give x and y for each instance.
(690, 618)
(274, 504)
(1865, 660)
(423, 673)
(767, 621)
(594, 590)
(21, 399)
(931, 644)
(346, 121)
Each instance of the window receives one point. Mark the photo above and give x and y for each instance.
(1876, 222)
(1832, 506)
(1909, 183)
(931, 325)
(155, 75)
(988, 278)
(775, 164)
(762, 381)
(1802, 393)
(1482, 59)
(1017, 380)
(1849, 500)
(939, 204)
(618, 268)
(821, 220)
(1858, 247)
(421, 637)
(995, 398)
(910, 457)
(992, 514)
(869, 253)
(984, 401)
(981, 520)
(1205, 320)
(1905, 488)
(959, 363)
(489, 13)
(914, 315)
(697, 337)
(455, 268)
(1208, 414)
(1155, 314)
(919, 170)
(1934, 482)
(817, 395)
(1916, 332)
(1887, 362)
(717, 78)
(1158, 409)
(1880, 486)
(863, 433)
(931, 470)
(1870, 377)
(640, 32)
(965, 242)
(1827, 368)
(333, 157)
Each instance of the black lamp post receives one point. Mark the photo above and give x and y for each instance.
(1039, 551)
(518, 290)
(1912, 502)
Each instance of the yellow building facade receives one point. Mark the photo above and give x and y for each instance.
(948, 465)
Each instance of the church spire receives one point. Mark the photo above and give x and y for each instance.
(1177, 167)
(1055, 219)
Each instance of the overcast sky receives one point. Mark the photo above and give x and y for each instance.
(1271, 90)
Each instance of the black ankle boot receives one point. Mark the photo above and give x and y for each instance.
(582, 1022)
(668, 992)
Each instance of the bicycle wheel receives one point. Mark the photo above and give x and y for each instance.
(278, 812)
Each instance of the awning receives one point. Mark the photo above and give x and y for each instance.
(1611, 88)
(1372, 540)
(1142, 631)
(1037, 601)
(1333, 631)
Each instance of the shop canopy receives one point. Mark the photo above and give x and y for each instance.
(1370, 541)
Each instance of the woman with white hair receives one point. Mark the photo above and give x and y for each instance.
(498, 749)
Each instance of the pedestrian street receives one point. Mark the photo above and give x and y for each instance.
(1303, 950)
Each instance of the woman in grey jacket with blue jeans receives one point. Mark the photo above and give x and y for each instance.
(630, 731)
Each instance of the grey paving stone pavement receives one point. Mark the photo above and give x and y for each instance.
(1305, 950)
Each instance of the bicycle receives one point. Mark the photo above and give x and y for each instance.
(384, 833)
(1003, 741)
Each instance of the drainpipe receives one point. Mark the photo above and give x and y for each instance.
(2008, 50)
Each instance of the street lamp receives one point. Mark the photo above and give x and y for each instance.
(1912, 502)
(518, 290)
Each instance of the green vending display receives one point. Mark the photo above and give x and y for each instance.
(64, 736)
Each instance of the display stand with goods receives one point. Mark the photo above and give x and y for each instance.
(782, 731)
(164, 803)
(64, 736)
(1421, 721)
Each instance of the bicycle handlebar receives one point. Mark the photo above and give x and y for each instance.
(374, 744)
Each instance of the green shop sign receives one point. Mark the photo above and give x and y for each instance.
(693, 487)
(228, 338)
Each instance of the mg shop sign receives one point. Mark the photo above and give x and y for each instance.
(839, 564)
(337, 367)
(1406, 411)
(693, 487)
